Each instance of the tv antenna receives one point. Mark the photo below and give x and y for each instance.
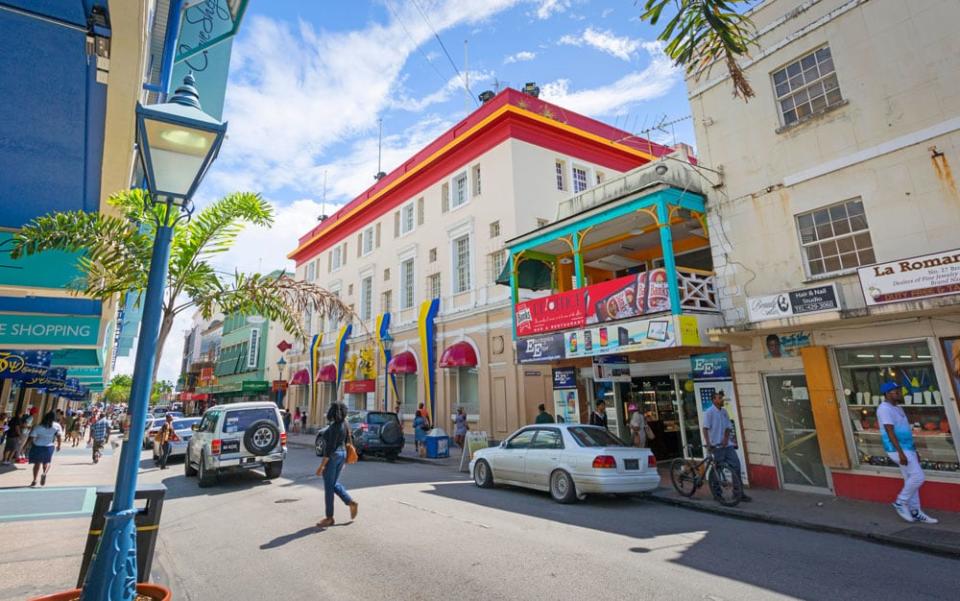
(380, 174)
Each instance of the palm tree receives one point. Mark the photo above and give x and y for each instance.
(116, 252)
(704, 32)
(118, 390)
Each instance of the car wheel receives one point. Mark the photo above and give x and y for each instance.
(261, 438)
(318, 445)
(206, 476)
(188, 470)
(273, 470)
(482, 474)
(562, 488)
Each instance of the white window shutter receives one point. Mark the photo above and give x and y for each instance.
(359, 244)
(330, 262)
(396, 224)
(445, 198)
(377, 241)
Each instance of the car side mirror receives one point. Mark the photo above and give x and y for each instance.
(503, 444)
(195, 427)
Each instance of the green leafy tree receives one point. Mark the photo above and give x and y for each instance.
(116, 250)
(701, 33)
(160, 388)
(118, 390)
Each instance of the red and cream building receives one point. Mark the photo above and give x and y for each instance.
(434, 228)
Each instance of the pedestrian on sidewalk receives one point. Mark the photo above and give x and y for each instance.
(543, 417)
(460, 427)
(165, 438)
(47, 434)
(3, 428)
(897, 436)
(12, 444)
(303, 421)
(335, 439)
(639, 429)
(296, 420)
(420, 428)
(599, 415)
(719, 438)
(76, 426)
(26, 424)
(99, 433)
(286, 420)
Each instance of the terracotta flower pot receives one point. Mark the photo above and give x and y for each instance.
(154, 591)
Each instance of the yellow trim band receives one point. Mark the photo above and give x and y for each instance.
(139, 529)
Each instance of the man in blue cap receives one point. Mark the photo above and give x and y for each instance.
(897, 437)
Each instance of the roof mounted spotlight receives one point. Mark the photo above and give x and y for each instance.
(380, 175)
(486, 96)
(531, 89)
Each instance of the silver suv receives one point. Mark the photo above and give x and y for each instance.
(236, 436)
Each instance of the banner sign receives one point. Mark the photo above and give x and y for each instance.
(611, 368)
(622, 298)
(254, 386)
(24, 365)
(55, 377)
(817, 299)
(712, 366)
(45, 329)
(540, 349)
(566, 406)
(786, 345)
(427, 330)
(564, 378)
(279, 385)
(911, 279)
(639, 335)
(359, 386)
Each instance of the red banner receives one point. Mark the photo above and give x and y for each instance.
(622, 298)
(359, 386)
(279, 385)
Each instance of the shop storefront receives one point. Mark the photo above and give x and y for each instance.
(460, 362)
(403, 369)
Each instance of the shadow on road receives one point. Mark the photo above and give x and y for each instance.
(287, 538)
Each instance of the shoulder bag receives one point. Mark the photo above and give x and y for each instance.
(352, 456)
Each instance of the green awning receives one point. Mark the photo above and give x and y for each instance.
(532, 275)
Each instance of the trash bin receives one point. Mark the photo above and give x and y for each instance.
(147, 521)
(438, 444)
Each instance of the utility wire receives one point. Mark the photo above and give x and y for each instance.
(444, 48)
(414, 42)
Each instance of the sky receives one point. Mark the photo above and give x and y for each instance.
(310, 82)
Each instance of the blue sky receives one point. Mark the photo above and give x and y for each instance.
(310, 79)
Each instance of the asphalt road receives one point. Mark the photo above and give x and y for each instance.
(426, 532)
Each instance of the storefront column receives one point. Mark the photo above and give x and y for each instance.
(826, 409)
(577, 259)
(669, 263)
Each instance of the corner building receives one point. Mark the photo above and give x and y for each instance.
(418, 256)
(835, 240)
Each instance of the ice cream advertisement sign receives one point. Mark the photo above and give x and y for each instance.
(911, 279)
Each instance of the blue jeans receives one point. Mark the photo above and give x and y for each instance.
(729, 456)
(331, 481)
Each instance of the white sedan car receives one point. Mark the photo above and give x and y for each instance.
(568, 460)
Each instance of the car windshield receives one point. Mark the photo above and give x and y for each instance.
(381, 418)
(185, 424)
(239, 420)
(355, 418)
(595, 437)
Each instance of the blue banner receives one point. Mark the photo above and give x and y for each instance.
(24, 365)
(55, 377)
(714, 366)
(564, 378)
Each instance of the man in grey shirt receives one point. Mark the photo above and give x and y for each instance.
(718, 435)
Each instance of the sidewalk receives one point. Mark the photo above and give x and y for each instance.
(408, 453)
(875, 522)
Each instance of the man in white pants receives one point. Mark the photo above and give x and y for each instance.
(897, 436)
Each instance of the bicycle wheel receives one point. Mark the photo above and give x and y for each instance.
(725, 484)
(683, 475)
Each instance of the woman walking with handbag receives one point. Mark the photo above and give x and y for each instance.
(46, 437)
(337, 445)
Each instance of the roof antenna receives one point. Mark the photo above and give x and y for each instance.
(380, 174)
(323, 202)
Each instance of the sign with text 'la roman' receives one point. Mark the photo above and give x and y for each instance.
(911, 279)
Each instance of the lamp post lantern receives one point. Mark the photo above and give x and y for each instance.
(387, 341)
(281, 363)
(176, 144)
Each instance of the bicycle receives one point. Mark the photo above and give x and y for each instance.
(688, 475)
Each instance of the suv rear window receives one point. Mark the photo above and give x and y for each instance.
(184, 424)
(595, 437)
(239, 420)
(378, 419)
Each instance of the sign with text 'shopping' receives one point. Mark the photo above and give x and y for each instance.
(48, 329)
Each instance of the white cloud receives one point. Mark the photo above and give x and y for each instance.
(606, 13)
(621, 47)
(520, 57)
(548, 8)
(454, 86)
(652, 82)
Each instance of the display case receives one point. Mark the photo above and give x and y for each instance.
(864, 369)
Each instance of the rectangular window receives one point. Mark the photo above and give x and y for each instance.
(864, 369)
(579, 180)
(433, 285)
(377, 241)
(560, 169)
(476, 180)
(366, 298)
(367, 238)
(343, 254)
(444, 197)
(467, 390)
(835, 238)
(386, 301)
(497, 261)
(386, 274)
(406, 219)
(253, 348)
(495, 229)
(337, 258)
(406, 284)
(806, 87)
(459, 191)
(432, 255)
(461, 264)
(349, 289)
(420, 211)
(311, 271)
(410, 389)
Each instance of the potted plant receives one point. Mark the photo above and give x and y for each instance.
(145, 592)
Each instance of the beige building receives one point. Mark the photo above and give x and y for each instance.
(434, 228)
(835, 239)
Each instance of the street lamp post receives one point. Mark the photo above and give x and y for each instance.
(176, 143)
(387, 341)
(281, 363)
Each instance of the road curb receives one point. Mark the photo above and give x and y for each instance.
(884, 539)
(402, 458)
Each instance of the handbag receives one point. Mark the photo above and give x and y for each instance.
(352, 456)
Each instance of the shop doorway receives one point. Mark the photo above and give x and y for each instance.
(658, 398)
(798, 450)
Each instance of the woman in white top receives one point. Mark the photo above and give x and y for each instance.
(638, 427)
(44, 436)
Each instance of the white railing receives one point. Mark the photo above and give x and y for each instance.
(697, 289)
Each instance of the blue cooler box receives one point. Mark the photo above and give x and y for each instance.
(438, 447)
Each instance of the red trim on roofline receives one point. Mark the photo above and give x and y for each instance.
(506, 126)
